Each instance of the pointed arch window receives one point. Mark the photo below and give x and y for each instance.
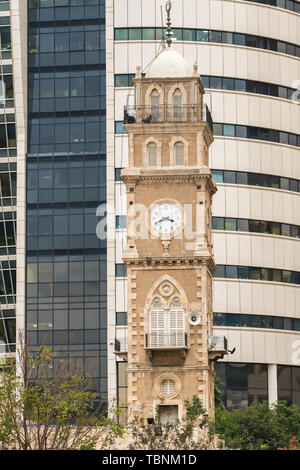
(167, 327)
(154, 103)
(177, 104)
(179, 153)
(152, 154)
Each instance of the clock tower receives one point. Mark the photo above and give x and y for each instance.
(169, 257)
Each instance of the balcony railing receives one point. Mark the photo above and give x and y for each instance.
(176, 340)
(167, 113)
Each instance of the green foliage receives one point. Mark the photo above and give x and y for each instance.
(183, 435)
(260, 426)
(42, 408)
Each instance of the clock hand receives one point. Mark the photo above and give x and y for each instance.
(165, 218)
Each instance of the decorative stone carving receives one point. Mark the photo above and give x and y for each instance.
(166, 289)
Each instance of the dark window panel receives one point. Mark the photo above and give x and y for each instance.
(218, 223)
(231, 272)
(243, 225)
(229, 177)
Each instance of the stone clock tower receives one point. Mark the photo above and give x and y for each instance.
(169, 255)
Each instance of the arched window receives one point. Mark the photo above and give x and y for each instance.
(167, 327)
(176, 324)
(179, 153)
(157, 324)
(151, 154)
(177, 104)
(154, 102)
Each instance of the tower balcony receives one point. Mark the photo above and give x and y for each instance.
(167, 114)
(217, 347)
(161, 342)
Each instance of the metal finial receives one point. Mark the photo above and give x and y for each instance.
(169, 31)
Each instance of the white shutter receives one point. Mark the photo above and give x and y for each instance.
(176, 324)
(168, 387)
(157, 324)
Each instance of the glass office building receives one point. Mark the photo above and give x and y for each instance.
(8, 189)
(66, 182)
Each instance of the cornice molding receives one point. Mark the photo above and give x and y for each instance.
(196, 178)
(171, 262)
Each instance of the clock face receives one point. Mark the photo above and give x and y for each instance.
(166, 218)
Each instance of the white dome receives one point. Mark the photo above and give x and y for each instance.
(168, 64)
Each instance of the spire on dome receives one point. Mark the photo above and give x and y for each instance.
(169, 33)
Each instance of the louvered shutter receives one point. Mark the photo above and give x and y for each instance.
(168, 387)
(176, 324)
(157, 324)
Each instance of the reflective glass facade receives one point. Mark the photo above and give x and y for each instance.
(8, 191)
(66, 181)
(225, 83)
(242, 384)
(205, 35)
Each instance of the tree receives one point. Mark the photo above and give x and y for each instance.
(42, 407)
(195, 431)
(260, 426)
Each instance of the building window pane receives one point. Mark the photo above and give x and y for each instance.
(216, 82)
(228, 130)
(121, 221)
(230, 224)
(220, 271)
(118, 174)
(243, 272)
(243, 225)
(121, 270)
(231, 272)
(202, 35)
(121, 318)
(121, 34)
(151, 154)
(218, 223)
(255, 273)
(229, 177)
(284, 377)
(179, 153)
(241, 177)
(119, 127)
(135, 34)
(217, 176)
(148, 34)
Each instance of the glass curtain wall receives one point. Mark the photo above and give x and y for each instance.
(8, 167)
(66, 182)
